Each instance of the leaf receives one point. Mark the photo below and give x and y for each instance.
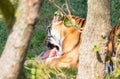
(33, 70)
(116, 72)
(107, 58)
(95, 49)
(57, 13)
(73, 21)
(67, 22)
(8, 12)
(118, 41)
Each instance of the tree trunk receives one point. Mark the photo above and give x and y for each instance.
(12, 58)
(94, 40)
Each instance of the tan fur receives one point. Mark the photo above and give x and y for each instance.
(113, 47)
(70, 45)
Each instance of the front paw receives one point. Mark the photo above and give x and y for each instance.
(51, 62)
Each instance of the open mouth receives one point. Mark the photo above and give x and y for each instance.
(51, 52)
(51, 46)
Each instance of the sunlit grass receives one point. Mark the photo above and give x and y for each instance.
(38, 70)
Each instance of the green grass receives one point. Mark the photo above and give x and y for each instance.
(38, 70)
(3, 35)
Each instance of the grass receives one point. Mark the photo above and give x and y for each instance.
(3, 35)
(38, 70)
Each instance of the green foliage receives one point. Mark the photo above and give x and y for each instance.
(37, 70)
(3, 35)
(67, 22)
(118, 41)
(117, 72)
(95, 48)
(107, 58)
(37, 43)
(115, 12)
(8, 12)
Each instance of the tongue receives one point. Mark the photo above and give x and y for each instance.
(53, 52)
(48, 53)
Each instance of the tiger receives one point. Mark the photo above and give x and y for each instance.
(113, 43)
(62, 43)
(113, 48)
